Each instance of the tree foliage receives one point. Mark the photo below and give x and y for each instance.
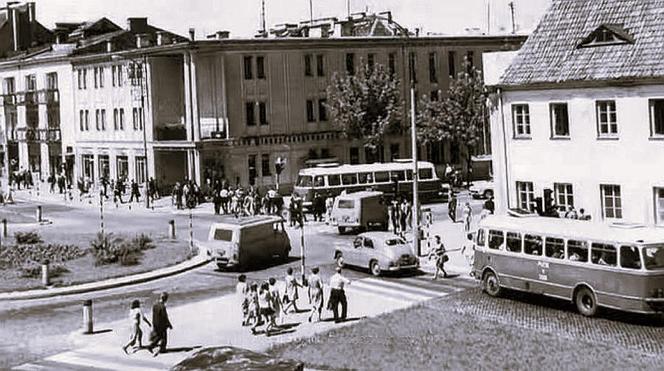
(460, 116)
(367, 105)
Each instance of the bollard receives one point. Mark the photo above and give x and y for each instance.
(171, 229)
(4, 228)
(39, 214)
(87, 317)
(45, 273)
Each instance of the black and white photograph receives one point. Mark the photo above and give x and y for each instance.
(332, 185)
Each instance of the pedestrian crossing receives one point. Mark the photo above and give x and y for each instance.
(408, 290)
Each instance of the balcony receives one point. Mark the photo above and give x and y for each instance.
(48, 96)
(26, 98)
(170, 132)
(36, 135)
(44, 96)
(9, 100)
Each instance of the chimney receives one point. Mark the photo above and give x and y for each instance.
(192, 34)
(137, 25)
(162, 38)
(32, 15)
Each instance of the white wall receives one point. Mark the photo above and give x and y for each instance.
(634, 160)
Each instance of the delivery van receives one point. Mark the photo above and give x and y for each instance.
(247, 241)
(360, 210)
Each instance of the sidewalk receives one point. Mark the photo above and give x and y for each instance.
(213, 322)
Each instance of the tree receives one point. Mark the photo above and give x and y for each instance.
(459, 117)
(367, 105)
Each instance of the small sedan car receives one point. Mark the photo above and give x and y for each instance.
(379, 252)
(481, 189)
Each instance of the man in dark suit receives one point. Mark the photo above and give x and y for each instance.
(160, 325)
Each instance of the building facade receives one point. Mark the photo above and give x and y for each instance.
(579, 115)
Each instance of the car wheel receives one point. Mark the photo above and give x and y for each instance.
(221, 266)
(375, 268)
(488, 193)
(341, 230)
(585, 301)
(491, 285)
(340, 261)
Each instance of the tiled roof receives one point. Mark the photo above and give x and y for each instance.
(550, 55)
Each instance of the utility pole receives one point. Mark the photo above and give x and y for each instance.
(348, 7)
(511, 4)
(263, 30)
(311, 11)
(488, 17)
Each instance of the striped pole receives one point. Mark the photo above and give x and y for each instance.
(191, 230)
(101, 213)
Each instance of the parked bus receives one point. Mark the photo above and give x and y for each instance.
(332, 179)
(619, 266)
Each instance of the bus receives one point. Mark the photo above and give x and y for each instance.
(332, 179)
(618, 266)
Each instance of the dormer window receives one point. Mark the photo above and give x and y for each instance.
(607, 34)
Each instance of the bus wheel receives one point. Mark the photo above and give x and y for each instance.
(490, 284)
(341, 230)
(585, 301)
(374, 267)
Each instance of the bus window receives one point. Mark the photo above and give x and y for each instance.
(496, 239)
(653, 256)
(409, 174)
(513, 242)
(425, 174)
(334, 180)
(319, 181)
(365, 178)
(304, 181)
(603, 254)
(577, 250)
(349, 179)
(480, 237)
(399, 174)
(382, 176)
(554, 248)
(629, 257)
(532, 245)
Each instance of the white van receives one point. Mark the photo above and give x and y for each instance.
(246, 241)
(360, 210)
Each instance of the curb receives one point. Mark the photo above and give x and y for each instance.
(197, 261)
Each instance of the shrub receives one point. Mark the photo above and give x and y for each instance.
(20, 255)
(34, 271)
(109, 249)
(143, 242)
(27, 238)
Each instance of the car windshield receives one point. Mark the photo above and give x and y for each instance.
(394, 242)
(304, 181)
(346, 204)
(223, 235)
(653, 256)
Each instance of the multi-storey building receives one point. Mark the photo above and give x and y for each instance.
(580, 113)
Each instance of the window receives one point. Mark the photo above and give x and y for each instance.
(122, 166)
(262, 114)
(260, 67)
(134, 114)
(8, 86)
(433, 75)
(122, 118)
(81, 118)
(251, 162)
(320, 65)
(365, 178)
(140, 169)
(659, 206)
(392, 63)
(470, 57)
(114, 75)
(354, 155)
(334, 180)
(412, 67)
(103, 119)
(248, 70)
(496, 239)
(521, 120)
(603, 254)
(97, 119)
(559, 120)
(564, 194)
(409, 175)
(96, 73)
(525, 195)
(116, 119)
(350, 63)
(322, 110)
(400, 175)
(249, 113)
(223, 235)
(451, 63)
(87, 120)
(480, 237)
(532, 244)
(307, 65)
(311, 116)
(629, 257)
(607, 125)
(30, 83)
(85, 78)
(120, 75)
(554, 248)
(513, 242)
(653, 256)
(265, 164)
(368, 244)
(577, 251)
(435, 95)
(101, 77)
(371, 61)
(382, 177)
(52, 81)
(349, 179)
(656, 117)
(611, 202)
